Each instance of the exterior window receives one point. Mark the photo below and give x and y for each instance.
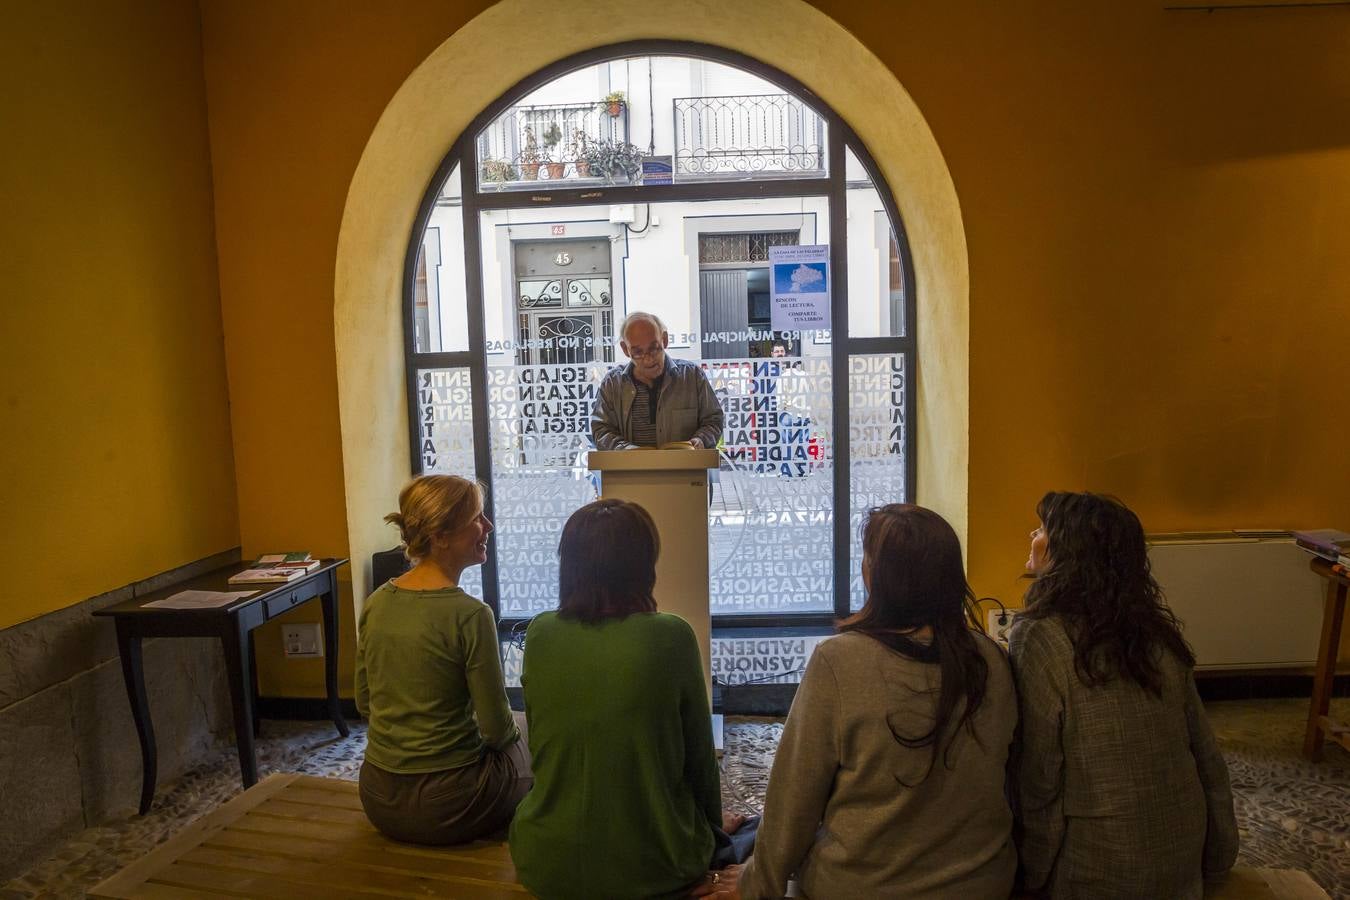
(746, 247)
(663, 183)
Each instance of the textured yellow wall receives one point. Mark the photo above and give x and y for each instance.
(1152, 202)
(1160, 273)
(294, 93)
(116, 462)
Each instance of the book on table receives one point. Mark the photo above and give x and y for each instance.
(1327, 543)
(276, 568)
(293, 560)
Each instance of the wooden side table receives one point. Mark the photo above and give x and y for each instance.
(1320, 725)
(233, 625)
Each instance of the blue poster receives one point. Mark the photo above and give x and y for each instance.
(799, 287)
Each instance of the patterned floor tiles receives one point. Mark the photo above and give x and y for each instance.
(1292, 813)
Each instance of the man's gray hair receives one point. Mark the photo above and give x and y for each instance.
(632, 317)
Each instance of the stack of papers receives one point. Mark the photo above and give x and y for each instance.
(199, 599)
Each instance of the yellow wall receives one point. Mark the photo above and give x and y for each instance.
(116, 462)
(1153, 205)
(294, 91)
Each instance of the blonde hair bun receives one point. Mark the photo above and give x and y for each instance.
(434, 504)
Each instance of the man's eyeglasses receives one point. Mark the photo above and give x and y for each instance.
(642, 352)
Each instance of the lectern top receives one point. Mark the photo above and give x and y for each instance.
(644, 459)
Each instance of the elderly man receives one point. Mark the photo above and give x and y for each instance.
(654, 401)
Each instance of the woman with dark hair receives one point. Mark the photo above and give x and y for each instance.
(627, 797)
(1122, 791)
(889, 778)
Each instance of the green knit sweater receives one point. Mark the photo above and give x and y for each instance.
(429, 680)
(626, 786)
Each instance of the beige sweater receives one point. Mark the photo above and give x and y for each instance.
(837, 813)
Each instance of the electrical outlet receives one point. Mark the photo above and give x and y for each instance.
(998, 622)
(302, 640)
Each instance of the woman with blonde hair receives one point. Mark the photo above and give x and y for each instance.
(445, 760)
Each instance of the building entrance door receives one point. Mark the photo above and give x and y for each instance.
(564, 305)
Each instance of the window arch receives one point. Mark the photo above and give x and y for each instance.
(539, 231)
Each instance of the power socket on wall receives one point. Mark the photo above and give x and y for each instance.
(302, 640)
(998, 622)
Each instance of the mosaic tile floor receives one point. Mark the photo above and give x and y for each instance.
(1292, 814)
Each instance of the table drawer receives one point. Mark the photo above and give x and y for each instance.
(292, 596)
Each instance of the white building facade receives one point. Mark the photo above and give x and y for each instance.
(659, 183)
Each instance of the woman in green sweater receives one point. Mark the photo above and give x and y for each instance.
(445, 762)
(626, 799)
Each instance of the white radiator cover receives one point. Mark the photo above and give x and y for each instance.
(1245, 603)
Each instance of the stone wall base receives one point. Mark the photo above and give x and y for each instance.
(69, 758)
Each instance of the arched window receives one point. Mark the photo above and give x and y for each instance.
(665, 177)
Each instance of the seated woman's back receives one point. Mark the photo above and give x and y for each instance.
(1122, 762)
(444, 760)
(427, 708)
(890, 826)
(626, 791)
(1122, 791)
(889, 778)
(622, 757)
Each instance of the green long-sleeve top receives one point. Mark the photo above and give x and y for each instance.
(429, 680)
(626, 787)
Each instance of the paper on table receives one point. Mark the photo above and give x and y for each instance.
(200, 599)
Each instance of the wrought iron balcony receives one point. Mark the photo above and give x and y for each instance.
(747, 135)
(549, 142)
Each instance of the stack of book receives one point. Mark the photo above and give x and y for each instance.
(1327, 543)
(276, 567)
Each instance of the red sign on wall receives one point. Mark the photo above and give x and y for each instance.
(560, 229)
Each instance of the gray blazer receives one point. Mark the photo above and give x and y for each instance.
(1120, 794)
(686, 407)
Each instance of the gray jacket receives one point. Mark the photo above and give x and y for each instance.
(686, 407)
(1120, 793)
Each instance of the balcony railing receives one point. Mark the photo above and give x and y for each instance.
(527, 144)
(748, 135)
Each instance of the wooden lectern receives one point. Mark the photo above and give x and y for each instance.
(672, 485)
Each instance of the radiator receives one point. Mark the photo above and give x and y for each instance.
(1245, 602)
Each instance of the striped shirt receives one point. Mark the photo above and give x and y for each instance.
(643, 414)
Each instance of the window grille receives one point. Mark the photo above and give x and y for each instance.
(743, 246)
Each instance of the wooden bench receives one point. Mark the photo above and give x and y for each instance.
(297, 836)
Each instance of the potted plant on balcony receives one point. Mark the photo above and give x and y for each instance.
(614, 160)
(498, 170)
(580, 152)
(529, 155)
(614, 103)
(552, 135)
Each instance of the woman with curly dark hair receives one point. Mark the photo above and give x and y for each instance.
(1121, 790)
